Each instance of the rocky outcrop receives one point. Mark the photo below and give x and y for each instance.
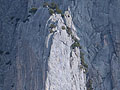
(64, 66)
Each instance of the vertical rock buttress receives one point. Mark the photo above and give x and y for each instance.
(65, 70)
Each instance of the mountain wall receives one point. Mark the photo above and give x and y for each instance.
(37, 56)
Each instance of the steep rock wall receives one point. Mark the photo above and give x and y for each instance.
(64, 65)
(25, 60)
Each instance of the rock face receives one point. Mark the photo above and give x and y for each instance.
(34, 56)
(64, 63)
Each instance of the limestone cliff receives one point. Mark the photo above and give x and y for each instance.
(42, 48)
(64, 66)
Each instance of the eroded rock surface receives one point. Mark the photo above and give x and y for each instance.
(64, 63)
(27, 46)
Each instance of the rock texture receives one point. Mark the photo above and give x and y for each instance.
(64, 63)
(32, 58)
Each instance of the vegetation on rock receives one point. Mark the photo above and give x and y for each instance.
(52, 26)
(45, 4)
(53, 8)
(58, 11)
(69, 31)
(89, 85)
(53, 5)
(75, 44)
(33, 10)
(82, 60)
(51, 11)
(63, 27)
(51, 31)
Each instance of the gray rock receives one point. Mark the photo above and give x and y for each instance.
(27, 45)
